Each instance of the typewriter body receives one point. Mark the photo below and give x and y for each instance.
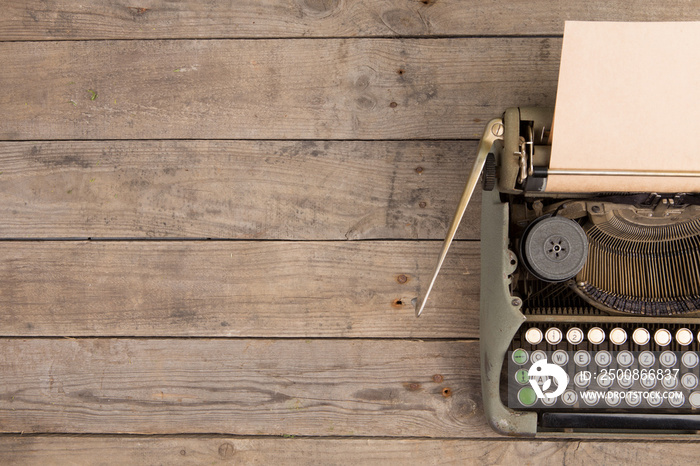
(590, 302)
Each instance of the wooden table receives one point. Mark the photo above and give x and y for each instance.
(215, 216)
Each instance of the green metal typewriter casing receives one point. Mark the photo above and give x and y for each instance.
(510, 292)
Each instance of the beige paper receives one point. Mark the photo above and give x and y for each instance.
(628, 99)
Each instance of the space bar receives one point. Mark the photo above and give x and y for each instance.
(621, 421)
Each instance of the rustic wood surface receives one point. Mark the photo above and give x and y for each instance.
(244, 387)
(270, 89)
(298, 190)
(33, 450)
(216, 215)
(150, 19)
(342, 289)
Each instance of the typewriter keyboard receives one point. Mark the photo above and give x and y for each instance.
(603, 367)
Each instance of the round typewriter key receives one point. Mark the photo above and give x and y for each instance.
(625, 381)
(689, 380)
(641, 336)
(521, 377)
(569, 397)
(533, 336)
(694, 399)
(625, 358)
(676, 399)
(612, 399)
(603, 358)
(618, 336)
(590, 397)
(582, 358)
(548, 399)
(662, 337)
(654, 399)
(633, 399)
(647, 380)
(527, 396)
(604, 380)
(684, 336)
(582, 379)
(553, 336)
(520, 356)
(574, 335)
(537, 356)
(646, 359)
(596, 335)
(690, 359)
(560, 358)
(669, 382)
(668, 359)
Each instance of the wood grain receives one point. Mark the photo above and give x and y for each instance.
(243, 289)
(304, 190)
(270, 89)
(154, 19)
(242, 387)
(50, 450)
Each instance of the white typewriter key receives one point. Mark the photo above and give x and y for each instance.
(625, 358)
(560, 357)
(618, 336)
(662, 337)
(654, 399)
(684, 336)
(633, 399)
(646, 359)
(694, 399)
(647, 380)
(537, 356)
(574, 335)
(676, 399)
(596, 335)
(668, 359)
(533, 336)
(669, 382)
(582, 379)
(553, 336)
(569, 397)
(604, 380)
(582, 358)
(689, 380)
(548, 399)
(690, 359)
(625, 381)
(603, 358)
(590, 397)
(613, 399)
(641, 336)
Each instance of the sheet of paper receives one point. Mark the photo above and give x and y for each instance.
(628, 99)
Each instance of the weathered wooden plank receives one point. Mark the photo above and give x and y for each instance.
(154, 19)
(242, 387)
(300, 190)
(270, 89)
(244, 289)
(49, 450)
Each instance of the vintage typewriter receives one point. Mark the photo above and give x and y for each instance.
(590, 302)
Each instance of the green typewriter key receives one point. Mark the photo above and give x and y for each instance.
(522, 377)
(527, 396)
(520, 356)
